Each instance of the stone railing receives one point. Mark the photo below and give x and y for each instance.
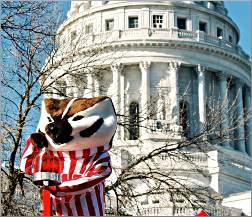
(199, 159)
(185, 161)
(162, 130)
(156, 211)
(184, 34)
(159, 126)
(183, 211)
(145, 34)
(187, 210)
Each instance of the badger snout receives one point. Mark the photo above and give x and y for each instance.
(59, 131)
(54, 129)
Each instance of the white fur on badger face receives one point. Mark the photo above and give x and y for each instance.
(45, 118)
(102, 113)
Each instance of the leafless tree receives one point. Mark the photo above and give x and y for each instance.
(25, 44)
(34, 64)
(29, 37)
(167, 172)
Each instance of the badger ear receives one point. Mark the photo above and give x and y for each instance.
(39, 140)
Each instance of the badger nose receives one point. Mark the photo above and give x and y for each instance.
(59, 131)
(54, 129)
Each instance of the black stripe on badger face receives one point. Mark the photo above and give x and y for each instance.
(60, 131)
(91, 130)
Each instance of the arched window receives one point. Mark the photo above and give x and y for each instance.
(183, 117)
(133, 121)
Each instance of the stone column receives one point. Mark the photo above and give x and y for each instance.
(116, 70)
(122, 104)
(96, 86)
(248, 122)
(75, 91)
(189, 23)
(171, 19)
(224, 108)
(167, 104)
(160, 106)
(71, 89)
(201, 96)
(121, 19)
(195, 21)
(174, 96)
(145, 95)
(240, 132)
(145, 18)
(90, 85)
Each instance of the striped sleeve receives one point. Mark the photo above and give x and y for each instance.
(96, 171)
(27, 157)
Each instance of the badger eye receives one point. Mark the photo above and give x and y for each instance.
(78, 117)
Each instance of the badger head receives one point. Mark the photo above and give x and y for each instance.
(76, 123)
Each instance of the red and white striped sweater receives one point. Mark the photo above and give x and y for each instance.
(83, 172)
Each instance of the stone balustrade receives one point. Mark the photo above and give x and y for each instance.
(187, 210)
(153, 211)
(211, 161)
(163, 35)
(158, 126)
(189, 161)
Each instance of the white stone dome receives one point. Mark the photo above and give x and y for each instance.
(169, 55)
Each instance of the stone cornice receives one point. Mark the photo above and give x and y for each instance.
(202, 47)
(191, 46)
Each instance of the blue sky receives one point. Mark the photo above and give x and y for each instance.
(239, 11)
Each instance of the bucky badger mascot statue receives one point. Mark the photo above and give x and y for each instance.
(68, 155)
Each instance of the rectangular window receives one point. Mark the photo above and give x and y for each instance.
(109, 24)
(157, 21)
(155, 201)
(181, 23)
(89, 28)
(203, 27)
(73, 35)
(145, 201)
(219, 32)
(230, 39)
(133, 22)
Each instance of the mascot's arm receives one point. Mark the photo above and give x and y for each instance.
(95, 172)
(30, 151)
(33, 146)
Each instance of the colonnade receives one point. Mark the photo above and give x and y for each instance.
(243, 130)
(242, 139)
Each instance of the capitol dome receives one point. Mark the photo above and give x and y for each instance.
(175, 61)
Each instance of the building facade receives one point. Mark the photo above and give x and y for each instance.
(176, 62)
